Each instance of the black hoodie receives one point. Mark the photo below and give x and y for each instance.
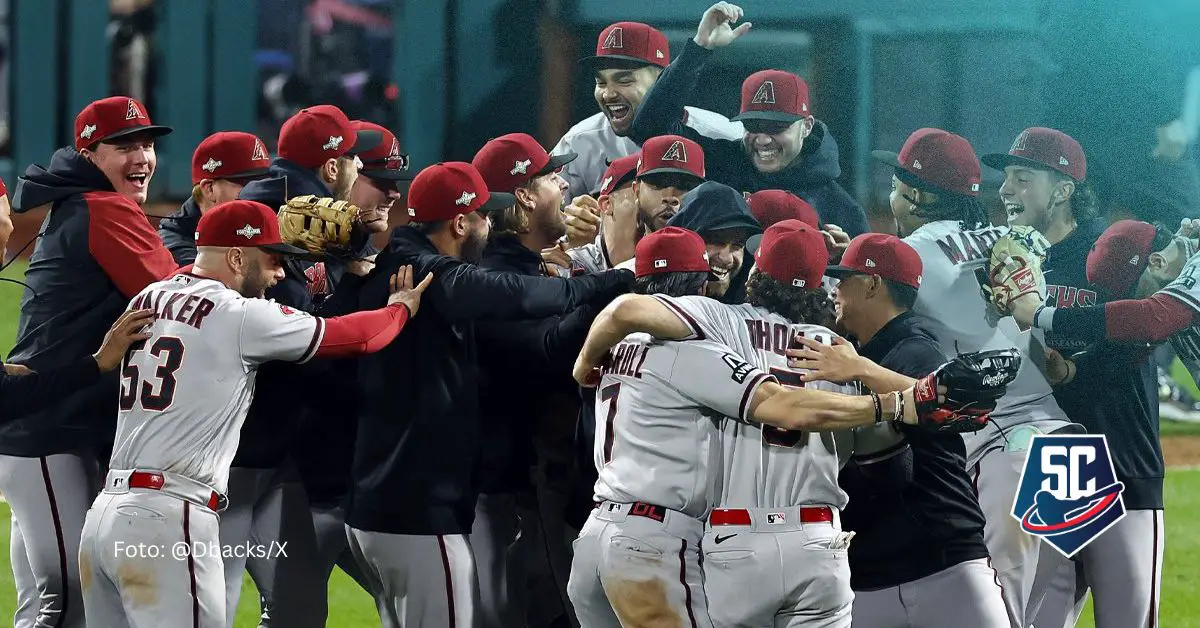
(714, 206)
(178, 232)
(96, 251)
(417, 454)
(812, 176)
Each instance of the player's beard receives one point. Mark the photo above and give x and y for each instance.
(343, 183)
(254, 286)
(472, 250)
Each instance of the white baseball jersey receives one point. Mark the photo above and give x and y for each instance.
(963, 322)
(594, 140)
(657, 410)
(590, 257)
(185, 390)
(768, 467)
(1187, 342)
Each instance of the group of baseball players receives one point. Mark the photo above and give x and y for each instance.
(660, 375)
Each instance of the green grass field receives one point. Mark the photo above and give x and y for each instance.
(350, 606)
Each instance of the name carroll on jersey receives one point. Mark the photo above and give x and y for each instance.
(626, 359)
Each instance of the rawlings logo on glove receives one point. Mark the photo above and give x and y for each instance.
(973, 382)
(1015, 267)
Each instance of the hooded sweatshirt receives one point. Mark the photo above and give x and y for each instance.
(711, 207)
(95, 252)
(812, 175)
(178, 232)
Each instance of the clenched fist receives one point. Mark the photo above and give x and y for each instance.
(583, 221)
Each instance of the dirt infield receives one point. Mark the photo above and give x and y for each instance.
(1181, 451)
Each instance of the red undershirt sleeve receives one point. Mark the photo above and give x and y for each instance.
(362, 332)
(1154, 319)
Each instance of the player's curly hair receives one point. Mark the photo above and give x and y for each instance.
(514, 220)
(968, 210)
(1084, 205)
(799, 305)
(680, 284)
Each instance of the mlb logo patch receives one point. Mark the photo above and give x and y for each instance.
(776, 517)
(1069, 493)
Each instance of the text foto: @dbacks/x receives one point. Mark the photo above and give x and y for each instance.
(182, 550)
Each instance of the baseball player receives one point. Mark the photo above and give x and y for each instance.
(176, 437)
(783, 146)
(669, 167)
(918, 557)
(720, 215)
(779, 492)
(415, 474)
(659, 399)
(323, 450)
(97, 250)
(1045, 186)
(318, 155)
(629, 58)
(937, 210)
(222, 165)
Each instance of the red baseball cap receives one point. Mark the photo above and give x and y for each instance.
(111, 118)
(629, 43)
(1120, 256)
(243, 223)
(939, 158)
(620, 171)
(793, 253)
(774, 96)
(229, 155)
(1043, 148)
(670, 250)
(510, 161)
(316, 134)
(671, 153)
(772, 206)
(384, 161)
(445, 190)
(880, 254)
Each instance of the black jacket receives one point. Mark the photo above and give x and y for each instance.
(933, 523)
(812, 176)
(1115, 390)
(96, 251)
(21, 394)
(178, 232)
(416, 458)
(525, 373)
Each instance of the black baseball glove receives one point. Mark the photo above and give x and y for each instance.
(974, 382)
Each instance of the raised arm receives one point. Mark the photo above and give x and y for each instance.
(1150, 320)
(626, 315)
(467, 292)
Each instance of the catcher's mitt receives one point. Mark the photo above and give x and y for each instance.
(1015, 267)
(317, 224)
(974, 382)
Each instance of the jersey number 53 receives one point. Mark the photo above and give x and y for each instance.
(157, 390)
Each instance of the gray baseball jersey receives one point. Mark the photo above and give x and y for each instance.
(766, 466)
(962, 321)
(1184, 288)
(185, 391)
(594, 140)
(657, 408)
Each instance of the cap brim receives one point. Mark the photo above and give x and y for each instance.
(388, 174)
(888, 157)
(154, 130)
(497, 201)
(670, 171)
(285, 249)
(753, 227)
(248, 174)
(616, 61)
(769, 116)
(839, 272)
(556, 162)
(998, 161)
(752, 244)
(365, 141)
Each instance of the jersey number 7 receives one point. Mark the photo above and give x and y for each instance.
(156, 396)
(610, 393)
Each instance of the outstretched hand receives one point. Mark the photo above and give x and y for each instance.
(838, 363)
(129, 328)
(716, 30)
(403, 291)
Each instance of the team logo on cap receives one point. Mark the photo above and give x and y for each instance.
(248, 232)
(614, 39)
(87, 131)
(521, 166)
(260, 151)
(132, 111)
(334, 142)
(765, 95)
(917, 164)
(1019, 143)
(677, 152)
(395, 155)
(465, 199)
(211, 165)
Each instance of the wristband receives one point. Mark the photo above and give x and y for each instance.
(1043, 318)
(878, 407)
